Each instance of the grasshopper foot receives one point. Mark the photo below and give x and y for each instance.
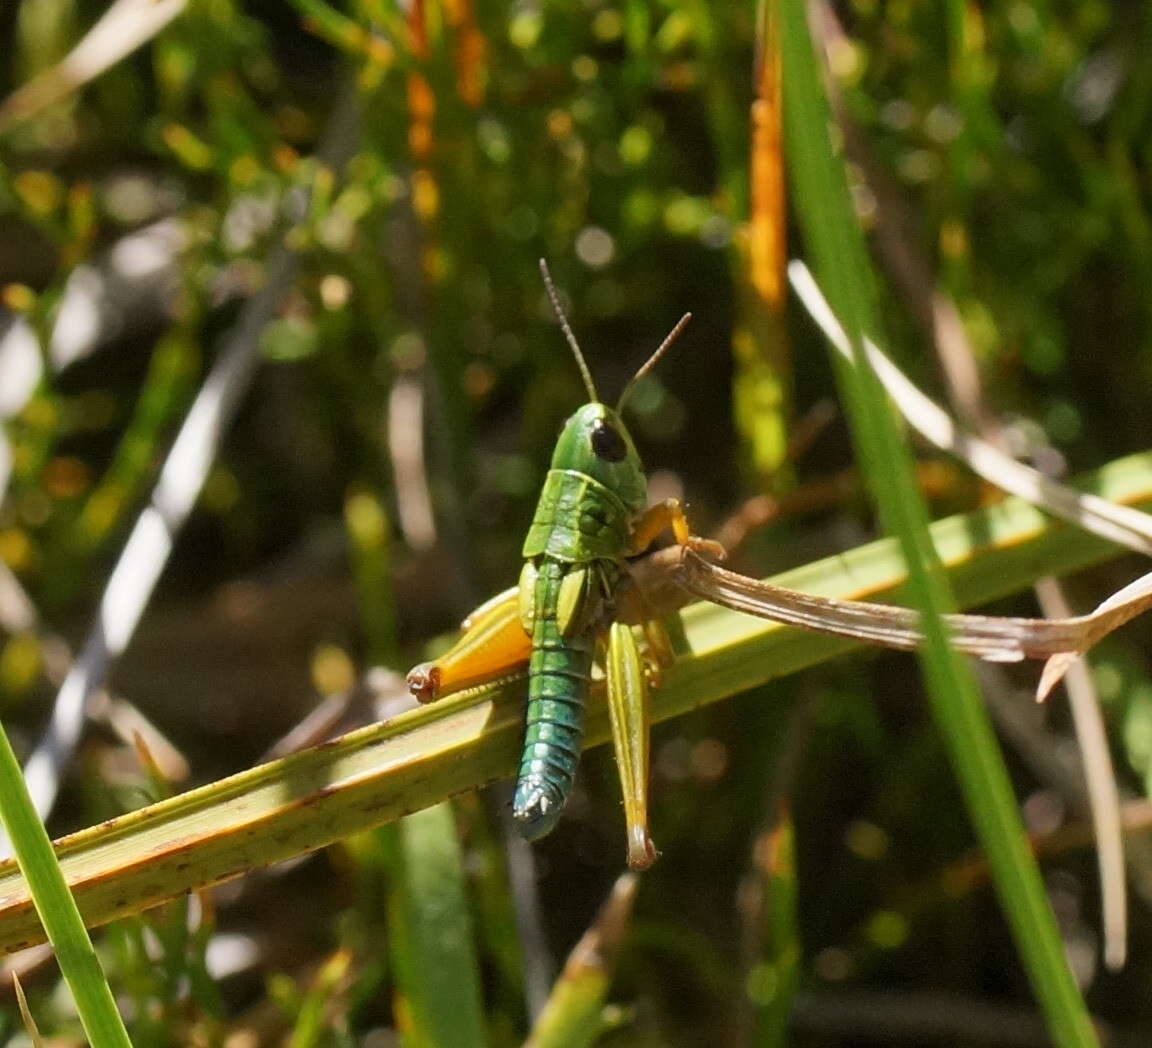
(709, 549)
(642, 852)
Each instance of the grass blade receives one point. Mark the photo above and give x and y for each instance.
(56, 907)
(834, 238)
(574, 1014)
(437, 974)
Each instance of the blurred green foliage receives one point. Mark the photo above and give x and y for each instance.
(999, 150)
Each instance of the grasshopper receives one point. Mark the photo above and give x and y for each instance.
(577, 596)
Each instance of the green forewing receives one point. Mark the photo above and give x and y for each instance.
(572, 601)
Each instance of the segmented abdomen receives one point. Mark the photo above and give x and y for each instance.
(558, 676)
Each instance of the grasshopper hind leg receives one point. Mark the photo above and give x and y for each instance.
(628, 713)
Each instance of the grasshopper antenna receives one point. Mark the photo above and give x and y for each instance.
(585, 374)
(653, 360)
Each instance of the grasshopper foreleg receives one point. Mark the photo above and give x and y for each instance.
(670, 514)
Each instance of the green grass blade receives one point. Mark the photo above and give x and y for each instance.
(437, 972)
(56, 907)
(836, 244)
(412, 761)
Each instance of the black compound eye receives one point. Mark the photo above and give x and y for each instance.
(607, 442)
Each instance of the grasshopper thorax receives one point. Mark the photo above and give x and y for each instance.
(596, 442)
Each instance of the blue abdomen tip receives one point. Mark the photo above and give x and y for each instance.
(536, 807)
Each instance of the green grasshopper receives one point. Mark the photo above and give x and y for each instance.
(575, 596)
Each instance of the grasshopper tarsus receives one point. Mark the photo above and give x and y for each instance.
(642, 852)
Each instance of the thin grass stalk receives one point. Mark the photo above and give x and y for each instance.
(762, 386)
(830, 227)
(170, 373)
(774, 980)
(26, 1015)
(323, 997)
(124, 26)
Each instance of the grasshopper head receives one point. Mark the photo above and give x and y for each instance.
(596, 442)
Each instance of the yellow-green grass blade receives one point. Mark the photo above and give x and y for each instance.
(574, 1015)
(833, 235)
(418, 759)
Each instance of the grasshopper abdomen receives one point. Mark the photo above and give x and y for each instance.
(558, 677)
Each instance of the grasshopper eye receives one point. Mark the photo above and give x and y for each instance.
(607, 442)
